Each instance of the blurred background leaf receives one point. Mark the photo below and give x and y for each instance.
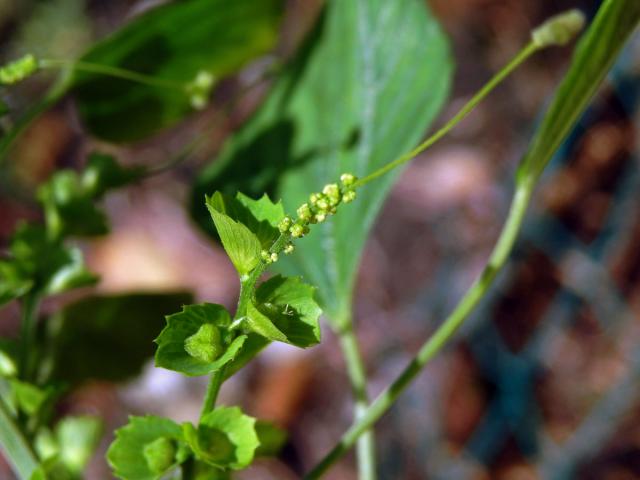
(173, 42)
(109, 337)
(367, 83)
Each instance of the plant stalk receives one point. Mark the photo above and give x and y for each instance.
(15, 446)
(27, 332)
(438, 340)
(213, 389)
(111, 71)
(366, 448)
(247, 287)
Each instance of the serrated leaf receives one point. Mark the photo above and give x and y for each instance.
(594, 55)
(241, 245)
(259, 323)
(126, 455)
(180, 349)
(260, 216)
(253, 345)
(103, 173)
(172, 43)
(225, 438)
(108, 337)
(285, 310)
(264, 217)
(363, 90)
(272, 438)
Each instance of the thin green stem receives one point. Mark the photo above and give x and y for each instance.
(15, 446)
(525, 53)
(27, 332)
(247, 288)
(205, 134)
(442, 335)
(111, 71)
(366, 448)
(215, 382)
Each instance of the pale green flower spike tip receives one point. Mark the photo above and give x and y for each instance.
(320, 206)
(269, 257)
(18, 70)
(559, 29)
(200, 89)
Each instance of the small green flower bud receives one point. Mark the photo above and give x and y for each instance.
(304, 212)
(323, 203)
(205, 344)
(288, 248)
(200, 89)
(160, 454)
(349, 196)
(320, 217)
(332, 192)
(559, 29)
(18, 70)
(273, 257)
(285, 224)
(297, 230)
(348, 179)
(313, 198)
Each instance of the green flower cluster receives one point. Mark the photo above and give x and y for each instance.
(18, 70)
(316, 210)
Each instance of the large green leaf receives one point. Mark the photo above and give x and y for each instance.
(109, 337)
(366, 85)
(285, 311)
(173, 42)
(594, 56)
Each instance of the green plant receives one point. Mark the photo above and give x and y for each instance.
(332, 147)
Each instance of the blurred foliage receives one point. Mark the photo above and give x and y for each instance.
(171, 43)
(108, 337)
(54, 28)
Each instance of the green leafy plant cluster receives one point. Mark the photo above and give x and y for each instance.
(150, 74)
(43, 261)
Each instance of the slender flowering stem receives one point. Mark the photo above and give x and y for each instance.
(524, 54)
(28, 326)
(247, 288)
(108, 70)
(556, 31)
(366, 449)
(14, 444)
(438, 340)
